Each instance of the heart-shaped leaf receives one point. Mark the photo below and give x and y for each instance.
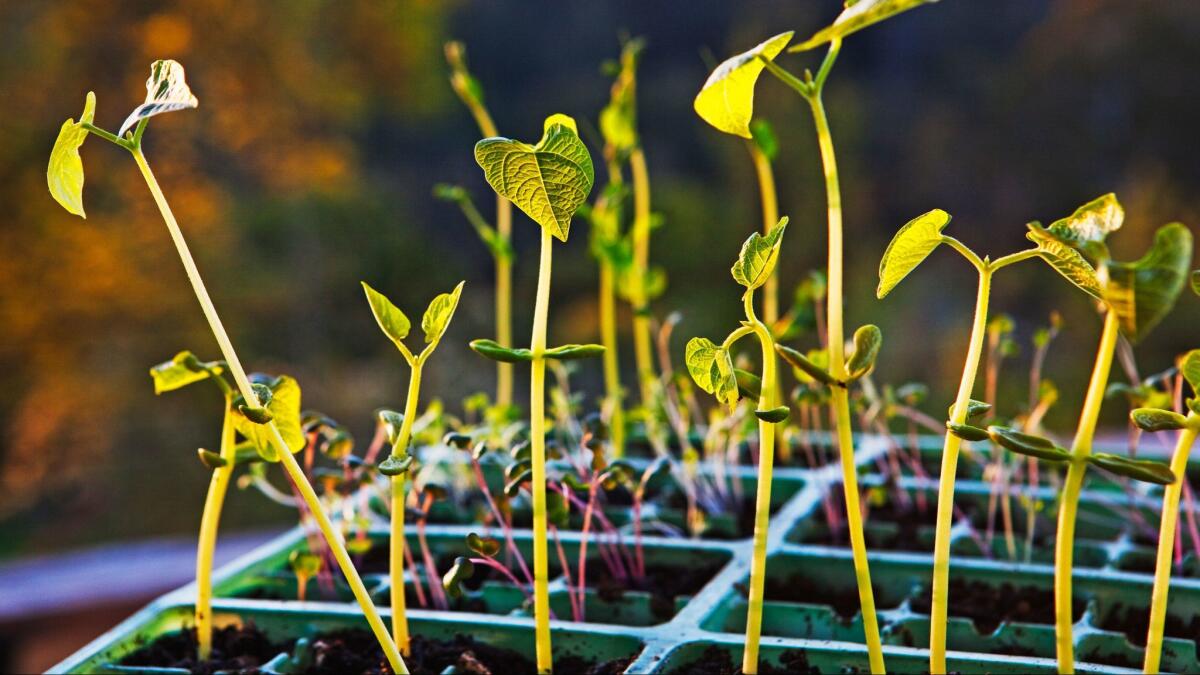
(284, 407)
(391, 320)
(1028, 444)
(618, 119)
(867, 341)
(757, 258)
(181, 371)
(726, 100)
(712, 369)
(1155, 419)
(1090, 224)
(1143, 292)
(438, 314)
(492, 350)
(1189, 367)
(166, 90)
(573, 352)
(64, 174)
(1065, 260)
(1143, 470)
(857, 15)
(548, 181)
(911, 245)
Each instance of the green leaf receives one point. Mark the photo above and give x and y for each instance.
(749, 385)
(210, 459)
(618, 119)
(484, 546)
(492, 350)
(1065, 260)
(573, 352)
(805, 365)
(758, 256)
(867, 341)
(1196, 282)
(391, 320)
(1138, 469)
(1189, 367)
(166, 90)
(726, 100)
(284, 406)
(968, 432)
(773, 415)
(974, 408)
(1143, 292)
(548, 181)
(857, 15)
(1028, 444)
(452, 581)
(911, 245)
(391, 421)
(764, 139)
(394, 465)
(304, 564)
(64, 174)
(438, 314)
(635, 284)
(1090, 224)
(1155, 419)
(712, 369)
(181, 371)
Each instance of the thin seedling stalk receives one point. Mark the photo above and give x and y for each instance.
(643, 353)
(537, 440)
(396, 541)
(608, 337)
(209, 523)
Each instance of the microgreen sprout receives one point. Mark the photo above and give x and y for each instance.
(304, 566)
(393, 322)
(166, 91)
(548, 182)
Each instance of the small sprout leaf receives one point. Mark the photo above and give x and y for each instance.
(1091, 223)
(757, 258)
(726, 101)
(857, 15)
(484, 546)
(284, 407)
(573, 352)
(1142, 470)
(438, 314)
(395, 466)
(391, 320)
(211, 459)
(711, 368)
(867, 341)
(1028, 444)
(749, 385)
(304, 564)
(805, 365)
(166, 90)
(462, 570)
(1189, 367)
(1143, 292)
(391, 421)
(548, 181)
(773, 415)
(255, 414)
(181, 371)
(1155, 419)
(64, 174)
(974, 409)
(513, 487)
(911, 245)
(1065, 260)
(492, 350)
(968, 432)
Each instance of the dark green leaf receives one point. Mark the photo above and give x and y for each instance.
(492, 350)
(396, 466)
(974, 408)
(1028, 444)
(968, 432)
(211, 459)
(513, 487)
(558, 511)
(573, 352)
(1142, 470)
(773, 415)
(391, 421)
(1155, 419)
(805, 365)
(749, 385)
(763, 137)
(867, 341)
(1143, 292)
(452, 581)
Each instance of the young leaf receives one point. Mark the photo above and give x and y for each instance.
(805, 365)
(758, 255)
(64, 174)
(1138, 469)
(492, 350)
(1028, 444)
(391, 320)
(773, 415)
(867, 341)
(857, 15)
(618, 119)
(1189, 367)
(1143, 292)
(712, 369)
(391, 421)
(462, 570)
(210, 459)
(749, 385)
(974, 408)
(1155, 419)
(1090, 224)
(166, 90)
(1065, 260)
(726, 100)
(181, 371)
(573, 352)
(968, 432)
(394, 465)
(438, 314)
(548, 181)
(284, 407)
(484, 546)
(911, 245)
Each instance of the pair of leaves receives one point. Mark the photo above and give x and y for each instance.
(711, 367)
(911, 245)
(548, 181)
(182, 370)
(857, 15)
(493, 350)
(396, 325)
(280, 396)
(758, 256)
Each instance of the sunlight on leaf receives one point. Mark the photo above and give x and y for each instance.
(1143, 292)
(548, 181)
(181, 371)
(1189, 367)
(284, 406)
(166, 91)
(911, 245)
(855, 17)
(1065, 260)
(712, 369)
(726, 100)
(1090, 224)
(64, 175)
(758, 256)
(391, 320)
(618, 119)
(438, 314)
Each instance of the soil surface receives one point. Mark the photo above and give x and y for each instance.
(910, 521)
(1134, 622)
(716, 660)
(990, 605)
(234, 649)
(801, 588)
(664, 583)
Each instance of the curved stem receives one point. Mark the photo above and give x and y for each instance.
(396, 541)
(332, 536)
(1166, 545)
(966, 252)
(1064, 545)
(209, 522)
(537, 439)
(641, 262)
(945, 505)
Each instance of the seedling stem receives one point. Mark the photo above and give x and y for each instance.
(537, 440)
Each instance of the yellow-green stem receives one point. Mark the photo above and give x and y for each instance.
(209, 523)
(1166, 545)
(945, 506)
(762, 506)
(336, 545)
(770, 216)
(612, 369)
(641, 263)
(537, 440)
(1064, 545)
(397, 541)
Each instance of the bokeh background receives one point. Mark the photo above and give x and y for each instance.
(323, 126)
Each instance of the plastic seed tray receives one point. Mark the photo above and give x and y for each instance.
(1001, 614)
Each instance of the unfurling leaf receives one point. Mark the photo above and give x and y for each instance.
(183, 370)
(391, 421)
(393, 465)
(1028, 444)
(1090, 225)
(484, 546)
(1142, 470)
(858, 15)
(712, 369)
(256, 414)
(974, 408)
(391, 320)
(773, 415)
(911, 245)
(438, 314)
(64, 174)
(805, 365)
(492, 350)
(211, 459)
(1143, 292)
(573, 352)
(166, 90)
(968, 432)
(548, 181)
(867, 341)
(1065, 260)
(726, 100)
(757, 258)
(1155, 419)
(749, 385)
(452, 581)
(305, 565)
(1189, 367)
(284, 407)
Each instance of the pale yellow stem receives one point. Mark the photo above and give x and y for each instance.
(537, 440)
(397, 540)
(612, 372)
(643, 353)
(209, 523)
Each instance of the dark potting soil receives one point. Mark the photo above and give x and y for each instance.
(1134, 622)
(664, 583)
(235, 648)
(909, 519)
(802, 589)
(988, 605)
(716, 660)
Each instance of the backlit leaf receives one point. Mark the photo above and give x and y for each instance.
(64, 174)
(1189, 367)
(1090, 224)
(856, 16)
(618, 119)
(712, 369)
(166, 90)
(758, 256)
(726, 100)
(1144, 291)
(548, 181)
(181, 371)
(911, 245)
(391, 320)
(867, 341)
(1065, 260)
(284, 406)
(438, 314)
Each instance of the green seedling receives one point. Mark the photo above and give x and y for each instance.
(398, 463)
(305, 566)
(711, 366)
(726, 101)
(166, 91)
(548, 182)
(1157, 419)
(911, 245)
(1134, 298)
(498, 239)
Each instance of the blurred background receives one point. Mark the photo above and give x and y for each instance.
(322, 128)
